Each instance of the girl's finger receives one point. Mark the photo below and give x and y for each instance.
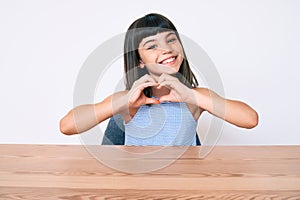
(141, 83)
(146, 78)
(142, 86)
(169, 84)
(152, 101)
(136, 92)
(166, 77)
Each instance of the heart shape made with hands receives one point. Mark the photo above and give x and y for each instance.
(164, 88)
(169, 89)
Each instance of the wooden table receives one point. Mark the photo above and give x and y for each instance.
(71, 172)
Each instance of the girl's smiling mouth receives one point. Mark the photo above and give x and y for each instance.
(168, 61)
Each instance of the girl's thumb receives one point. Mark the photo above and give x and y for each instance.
(152, 101)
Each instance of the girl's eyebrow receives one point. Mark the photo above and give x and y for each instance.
(148, 42)
(153, 40)
(172, 33)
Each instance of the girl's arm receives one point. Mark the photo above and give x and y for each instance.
(125, 103)
(232, 111)
(84, 117)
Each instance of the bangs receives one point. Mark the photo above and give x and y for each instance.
(147, 26)
(141, 33)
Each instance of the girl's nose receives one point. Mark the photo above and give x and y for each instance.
(165, 49)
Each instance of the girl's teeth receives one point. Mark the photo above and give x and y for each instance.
(169, 60)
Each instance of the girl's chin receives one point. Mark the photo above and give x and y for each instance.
(170, 72)
(163, 70)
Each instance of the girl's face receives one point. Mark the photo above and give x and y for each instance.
(161, 53)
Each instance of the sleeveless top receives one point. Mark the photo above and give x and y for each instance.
(166, 124)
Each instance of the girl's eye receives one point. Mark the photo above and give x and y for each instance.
(152, 46)
(171, 40)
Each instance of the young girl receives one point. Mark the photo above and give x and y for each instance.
(162, 101)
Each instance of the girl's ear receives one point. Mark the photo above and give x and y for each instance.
(142, 64)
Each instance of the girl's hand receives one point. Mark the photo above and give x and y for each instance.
(178, 91)
(136, 96)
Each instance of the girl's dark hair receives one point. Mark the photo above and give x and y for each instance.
(150, 25)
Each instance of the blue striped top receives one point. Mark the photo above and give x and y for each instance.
(166, 124)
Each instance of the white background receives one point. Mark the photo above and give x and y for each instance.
(254, 44)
